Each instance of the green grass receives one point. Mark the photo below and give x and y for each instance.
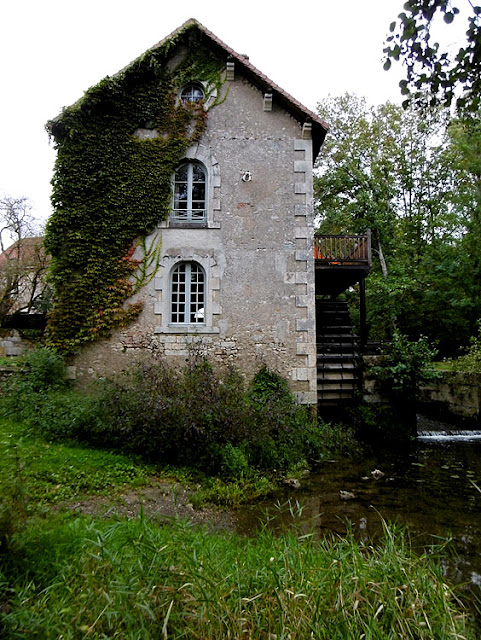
(70, 577)
(52, 471)
(9, 362)
(135, 580)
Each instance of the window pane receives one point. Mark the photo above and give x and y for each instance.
(198, 192)
(192, 93)
(189, 203)
(188, 294)
(181, 173)
(198, 174)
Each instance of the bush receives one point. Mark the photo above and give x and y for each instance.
(44, 370)
(405, 364)
(197, 416)
(471, 361)
(40, 397)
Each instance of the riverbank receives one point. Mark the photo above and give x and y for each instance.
(73, 566)
(133, 579)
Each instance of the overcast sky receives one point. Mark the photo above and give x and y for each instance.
(51, 51)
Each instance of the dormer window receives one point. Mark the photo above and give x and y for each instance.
(192, 93)
(190, 188)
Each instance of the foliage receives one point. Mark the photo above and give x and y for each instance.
(44, 370)
(133, 579)
(112, 186)
(471, 361)
(23, 263)
(13, 498)
(434, 75)
(196, 416)
(405, 364)
(381, 169)
(414, 180)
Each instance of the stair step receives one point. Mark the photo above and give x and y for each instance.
(331, 378)
(336, 348)
(335, 326)
(333, 368)
(338, 373)
(332, 382)
(338, 359)
(335, 396)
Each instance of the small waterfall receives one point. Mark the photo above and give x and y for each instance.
(450, 435)
(429, 429)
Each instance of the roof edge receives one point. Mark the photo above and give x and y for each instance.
(294, 106)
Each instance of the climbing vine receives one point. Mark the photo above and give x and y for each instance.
(117, 149)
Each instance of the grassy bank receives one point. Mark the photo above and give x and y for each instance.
(87, 578)
(70, 576)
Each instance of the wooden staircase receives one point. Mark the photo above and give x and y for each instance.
(338, 362)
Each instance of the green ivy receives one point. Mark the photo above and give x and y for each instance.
(111, 188)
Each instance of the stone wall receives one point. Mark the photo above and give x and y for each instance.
(12, 344)
(256, 251)
(454, 396)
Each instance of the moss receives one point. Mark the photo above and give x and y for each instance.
(111, 188)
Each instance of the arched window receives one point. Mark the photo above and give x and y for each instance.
(190, 187)
(187, 299)
(192, 93)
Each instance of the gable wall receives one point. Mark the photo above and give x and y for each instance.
(256, 252)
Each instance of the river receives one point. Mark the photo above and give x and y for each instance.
(432, 486)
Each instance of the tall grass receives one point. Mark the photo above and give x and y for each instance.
(135, 580)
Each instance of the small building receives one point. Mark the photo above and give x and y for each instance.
(223, 261)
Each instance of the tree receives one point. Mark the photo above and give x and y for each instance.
(387, 169)
(434, 76)
(23, 262)
(464, 158)
(380, 169)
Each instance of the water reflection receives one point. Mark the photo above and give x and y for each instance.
(431, 487)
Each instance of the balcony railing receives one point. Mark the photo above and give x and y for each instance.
(190, 216)
(343, 251)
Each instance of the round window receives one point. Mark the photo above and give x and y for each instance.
(192, 93)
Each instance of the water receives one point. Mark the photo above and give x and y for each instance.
(433, 488)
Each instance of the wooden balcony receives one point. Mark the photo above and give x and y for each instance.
(341, 262)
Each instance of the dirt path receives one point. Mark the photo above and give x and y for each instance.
(161, 500)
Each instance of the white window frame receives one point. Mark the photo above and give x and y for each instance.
(189, 300)
(194, 92)
(190, 216)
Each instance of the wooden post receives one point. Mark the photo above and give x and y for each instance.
(362, 312)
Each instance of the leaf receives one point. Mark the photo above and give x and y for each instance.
(392, 26)
(387, 65)
(448, 18)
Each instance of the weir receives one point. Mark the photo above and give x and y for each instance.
(449, 436)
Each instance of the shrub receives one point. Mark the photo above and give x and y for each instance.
(471, 361)
(405, 364)
(44, 371)
(197, 416)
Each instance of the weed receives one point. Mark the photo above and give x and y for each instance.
(133, 579)
(197, 416)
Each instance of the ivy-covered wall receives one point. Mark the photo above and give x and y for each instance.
(112, 186)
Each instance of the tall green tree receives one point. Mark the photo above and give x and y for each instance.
(387, 169)
(464, 158)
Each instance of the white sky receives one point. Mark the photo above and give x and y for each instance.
(51, 51)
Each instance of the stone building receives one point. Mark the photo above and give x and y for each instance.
(232, 267)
